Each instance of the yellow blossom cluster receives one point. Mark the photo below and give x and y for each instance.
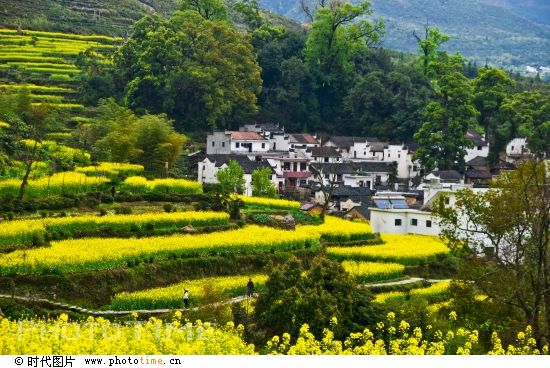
(100, 336)
(105, 253)
(172, 296)
(373, 271)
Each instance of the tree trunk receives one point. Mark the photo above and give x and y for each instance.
(28, 170)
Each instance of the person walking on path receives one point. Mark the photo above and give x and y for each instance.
(186, 298)
(249, 288)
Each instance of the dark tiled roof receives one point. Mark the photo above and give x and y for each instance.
(378, 146)
(270, 127)
(243, 161)
(475, 137)
(478, 174)
(412, 146)
(373, 166)
(337, 168)
(352, 167)
(363, 209)
(303, 139)
(447, 174)
(344, 142)
(325, 152)
(477, 161)
(347, 191)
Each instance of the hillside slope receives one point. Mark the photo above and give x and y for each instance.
(107, 17)
(79, 16)
(508, 33)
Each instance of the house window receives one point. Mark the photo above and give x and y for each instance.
(398, 155)
(512, 148)
(389, 155)
(223, 144)
(479, 148)
(326, 159)
(354, 154)
(373, 153)
(361, 183)
(397, 222)
(274, 146)
(415, 168)
(414, 222)
(237, 145)
(428, 223)
(213, 144)
(263, 145)
(447, 200)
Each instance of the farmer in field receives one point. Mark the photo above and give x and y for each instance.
(186, 298)
(249, 288)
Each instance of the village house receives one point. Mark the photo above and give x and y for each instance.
(211, 164)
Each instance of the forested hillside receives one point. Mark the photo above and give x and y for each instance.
(502, 33)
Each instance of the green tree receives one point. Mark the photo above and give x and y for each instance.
(442, 135)
(491, 87)
(117, 134)
(28, 125)
(262, 186)
(250, 12)
(214, 10)
(231, 178)
(527, 114)
(338, 32)
(429, 44)
(517, 272)
(314, 296)
(200, 72)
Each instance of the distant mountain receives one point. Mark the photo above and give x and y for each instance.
(508, 33)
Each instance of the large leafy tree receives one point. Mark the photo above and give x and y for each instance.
(193, 66)
(25, 126)
(388, 106)
(517, 274)
(429, 44)
(527, 114)
(121, 136)
(231, 178)
(442, 135)
(338, 32)
(491, 87)
(262, 186)
(296, 295)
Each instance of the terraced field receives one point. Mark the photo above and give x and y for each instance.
(44, 64)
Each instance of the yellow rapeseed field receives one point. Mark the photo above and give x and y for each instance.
(268, 202)
(23, 232)
(172, 296)
(404, 249)
(373, 271)
(99, 336)
(105, 253)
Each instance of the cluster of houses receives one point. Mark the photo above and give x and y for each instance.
(369, 179)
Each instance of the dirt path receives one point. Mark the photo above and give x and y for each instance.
(237, 299)
(116, 312)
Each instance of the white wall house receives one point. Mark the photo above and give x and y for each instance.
(278, 139)
(351, 148)
(407, 168)
(403, 221)
(517, 150)
(208, 168)
(303, 142)
(480, 146)
(230, 142)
